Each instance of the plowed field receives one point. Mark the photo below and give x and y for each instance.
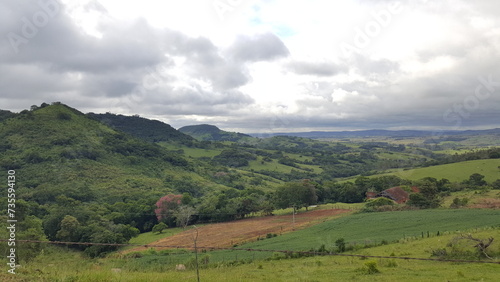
(227, 234)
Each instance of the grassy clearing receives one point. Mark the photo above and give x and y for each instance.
(474, 196)
(198, 153)
(387, 226)
(455, 151)
(318, 268)
(361, 229)
(355, 206)
(150, 237)
(455, 172)
(273, 165)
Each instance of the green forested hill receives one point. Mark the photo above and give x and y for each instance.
(149, 130)
(6, 115)
(206, 132)
(75, 171)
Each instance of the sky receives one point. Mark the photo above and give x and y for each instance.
(259, 66)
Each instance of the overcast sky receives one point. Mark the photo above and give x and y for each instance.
(258, 66)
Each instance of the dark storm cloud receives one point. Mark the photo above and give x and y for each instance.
(261, 47)
(60, 58)
(134, 67)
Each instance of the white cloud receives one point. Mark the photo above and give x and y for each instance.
(261, 64)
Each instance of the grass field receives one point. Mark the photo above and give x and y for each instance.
(231, 233)
(48, 267)
(389, 226)
(455, 172)
(475, 197)
(401, 230)
(356, 229)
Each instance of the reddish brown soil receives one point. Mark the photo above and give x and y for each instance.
(236, 232)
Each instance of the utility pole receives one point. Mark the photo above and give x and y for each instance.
(195, 238)
(293, 216)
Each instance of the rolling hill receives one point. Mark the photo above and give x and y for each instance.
(146, 129)
(206, 132)
(388, 133)
(71, 168)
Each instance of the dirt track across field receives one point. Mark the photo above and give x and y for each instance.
(227, 234)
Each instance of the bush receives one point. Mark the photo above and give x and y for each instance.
(340, 243)
(458, 203)
(158, 228)
(391, 263)
(371, 267)
(379, 205)
(381, 201)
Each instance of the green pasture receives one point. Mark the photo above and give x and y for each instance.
(358, 230)
(48, 266)
(455, 172)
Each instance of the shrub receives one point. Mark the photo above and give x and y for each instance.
(158, 228)
(379, 204)
(371, 267)
(458, 203)
(340, 243)
(391, 263)
(322, 249)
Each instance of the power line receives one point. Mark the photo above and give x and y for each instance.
(312, 253)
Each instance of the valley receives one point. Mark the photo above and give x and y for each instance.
(94, 182)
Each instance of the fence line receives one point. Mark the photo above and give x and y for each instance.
(256, 250)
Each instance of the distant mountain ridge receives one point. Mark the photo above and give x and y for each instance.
(207, 132)
(381, 132)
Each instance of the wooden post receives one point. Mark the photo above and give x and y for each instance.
(195, 238)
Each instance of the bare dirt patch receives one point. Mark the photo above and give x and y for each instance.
(228, 234)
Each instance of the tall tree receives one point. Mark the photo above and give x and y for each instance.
(166, 207)
(295, 194)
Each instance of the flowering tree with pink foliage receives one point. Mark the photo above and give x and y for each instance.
(166, 207)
